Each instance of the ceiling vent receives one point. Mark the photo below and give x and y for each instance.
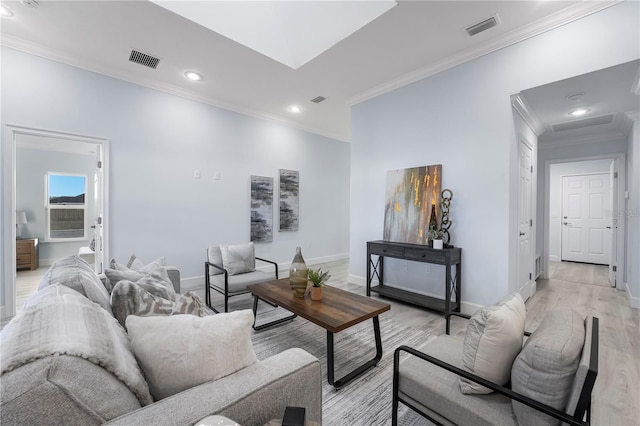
(143, 59)
(318, 99)
(483, 25)
(585, 122)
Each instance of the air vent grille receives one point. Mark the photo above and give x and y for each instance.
(318, 99)
(482, 26)
(143, 59)
(585, 122)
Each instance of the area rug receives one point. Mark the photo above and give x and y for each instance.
(365, 401)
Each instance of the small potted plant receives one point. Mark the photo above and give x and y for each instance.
(317, 278)
(437, 237)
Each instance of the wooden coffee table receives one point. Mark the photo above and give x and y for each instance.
(337, 311)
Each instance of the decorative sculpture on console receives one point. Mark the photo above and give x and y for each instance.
(445, 205)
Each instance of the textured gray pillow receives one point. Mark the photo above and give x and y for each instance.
(239, 258)
(129, 298)
(545, 368)
(492, 341)
(75, 273)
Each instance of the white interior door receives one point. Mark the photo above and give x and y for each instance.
(585, 200)
(612, 227)
(525, 215)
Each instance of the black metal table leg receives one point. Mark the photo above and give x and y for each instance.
(268, 324)
(359, 370)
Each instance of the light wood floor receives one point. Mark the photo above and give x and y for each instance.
(616, 397)
(584, 273)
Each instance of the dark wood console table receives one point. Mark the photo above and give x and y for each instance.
(418, 253)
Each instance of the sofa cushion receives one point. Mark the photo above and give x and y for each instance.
(75, 273)
(545, 368)
(182, 351)
(492, 341)
(137, 264)
(63, 390)
(153, 295)
(239, 258)
(156, 282)
(436, 390)
(58, 320)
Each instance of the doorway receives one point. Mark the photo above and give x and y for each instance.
(581, 229)
(35, 156)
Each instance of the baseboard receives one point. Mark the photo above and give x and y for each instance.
(197, 282)
(634, 302)
(554, 258)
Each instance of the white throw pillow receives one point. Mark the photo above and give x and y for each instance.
(182, 351)
(492, 341)
(239, 258)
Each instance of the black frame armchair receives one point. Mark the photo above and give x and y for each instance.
(583, 406)
(225, 289)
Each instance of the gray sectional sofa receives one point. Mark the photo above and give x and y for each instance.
(103, 383)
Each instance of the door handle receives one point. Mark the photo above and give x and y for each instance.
(522, 233)
(608, 227)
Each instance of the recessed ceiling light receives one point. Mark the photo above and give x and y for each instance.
(295, 109)
(193, 76)
(578, 112)
(5, 11)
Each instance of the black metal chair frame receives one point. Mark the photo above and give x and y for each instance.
(584, 402)
(208, 286)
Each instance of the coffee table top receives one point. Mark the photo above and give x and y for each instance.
(337, 311)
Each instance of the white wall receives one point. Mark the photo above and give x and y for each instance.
(157, 140)
(461, 118)
(633, 217)
(556, 172)
(31, 167)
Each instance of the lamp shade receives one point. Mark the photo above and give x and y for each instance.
(21, 218)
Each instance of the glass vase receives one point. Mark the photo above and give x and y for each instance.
(298, 274)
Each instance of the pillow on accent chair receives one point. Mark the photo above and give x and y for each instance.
(239, 258)
(492, 341)
(545, 368)
(183, 351)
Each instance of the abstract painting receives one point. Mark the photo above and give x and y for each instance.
(261, 209)
(289, 186)
(412, 194)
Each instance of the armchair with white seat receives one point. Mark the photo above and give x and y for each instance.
(229, 269)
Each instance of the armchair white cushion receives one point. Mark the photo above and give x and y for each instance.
(492, 341)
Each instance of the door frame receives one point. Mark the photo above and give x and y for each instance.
(620, 165)
(8, 234)
(529, 288)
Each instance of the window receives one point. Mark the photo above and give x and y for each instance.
(66, 206)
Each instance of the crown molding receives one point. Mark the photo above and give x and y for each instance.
(54, 55)
(522, 107)
(584, 140)
(558, 19)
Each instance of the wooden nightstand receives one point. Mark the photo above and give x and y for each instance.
(27, 253)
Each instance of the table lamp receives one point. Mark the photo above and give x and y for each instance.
(21, 219)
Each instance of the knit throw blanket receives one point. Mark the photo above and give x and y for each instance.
(59, 320)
